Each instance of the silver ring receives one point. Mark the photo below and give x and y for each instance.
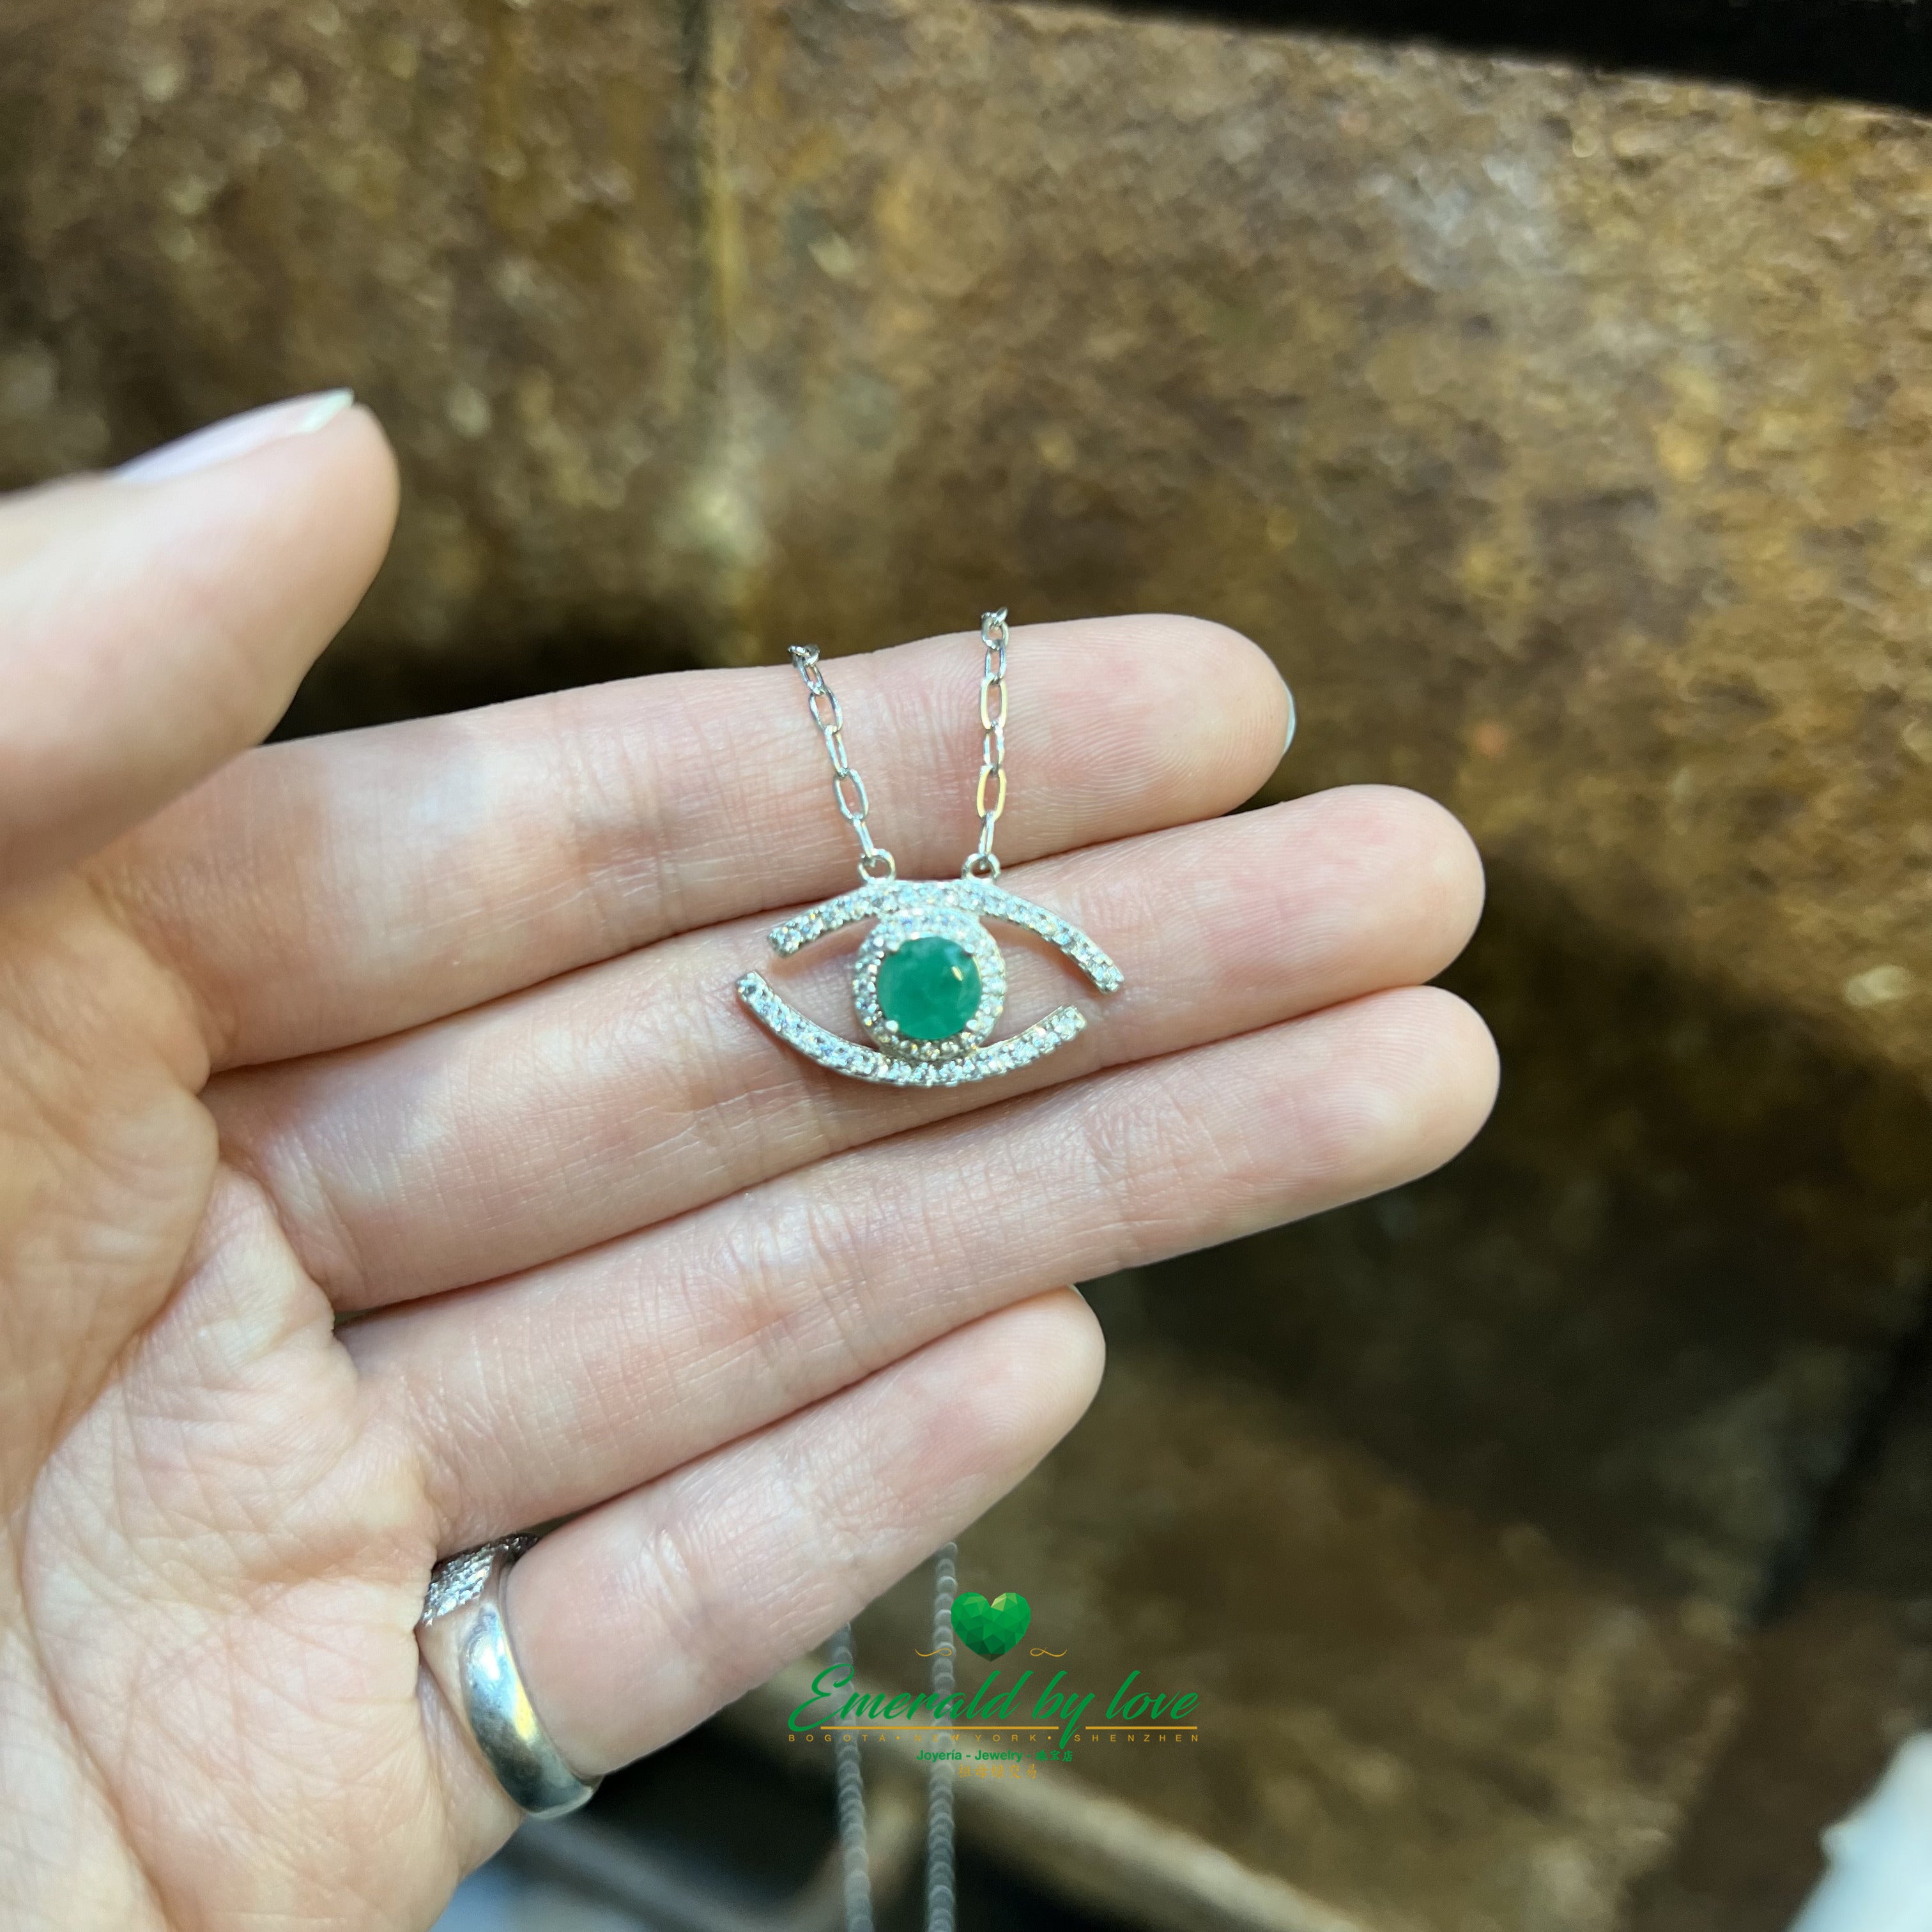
(467, 1651)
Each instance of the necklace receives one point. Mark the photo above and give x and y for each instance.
(928, 983)
(849, 1783)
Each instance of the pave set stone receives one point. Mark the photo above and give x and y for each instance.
(929, 982)
(867, 1063)
(457, 1580)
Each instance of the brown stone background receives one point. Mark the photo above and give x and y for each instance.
(1563, 435)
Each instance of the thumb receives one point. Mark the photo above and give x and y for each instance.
(156, 621)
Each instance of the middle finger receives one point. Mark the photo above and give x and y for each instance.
(639, 1089)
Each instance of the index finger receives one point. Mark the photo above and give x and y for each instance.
(154, 623)
(320, 893)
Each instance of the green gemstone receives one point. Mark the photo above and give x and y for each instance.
(930, 987)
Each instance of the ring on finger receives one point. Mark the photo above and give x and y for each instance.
(466, 1647)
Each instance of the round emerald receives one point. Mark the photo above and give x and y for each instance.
(928, 988)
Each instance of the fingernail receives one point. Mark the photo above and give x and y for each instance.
(1290, 738)
(237, 436)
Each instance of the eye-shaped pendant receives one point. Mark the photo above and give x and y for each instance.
(929, 982)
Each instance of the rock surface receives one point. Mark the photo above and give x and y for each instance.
(1841, 1678)
(479, 214)
(1563, 437)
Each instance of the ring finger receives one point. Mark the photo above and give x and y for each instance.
(539, 1396)
(639, 1618)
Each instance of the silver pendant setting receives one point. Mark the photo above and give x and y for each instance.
(909, 909)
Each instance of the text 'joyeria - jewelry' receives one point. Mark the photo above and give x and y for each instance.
(929, 983)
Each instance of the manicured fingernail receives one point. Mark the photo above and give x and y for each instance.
(237, 436)
(1290, 738)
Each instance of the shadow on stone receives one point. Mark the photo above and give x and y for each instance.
(1806, 47)
(1645, 1313)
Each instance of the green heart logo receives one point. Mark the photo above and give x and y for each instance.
(991, 1629)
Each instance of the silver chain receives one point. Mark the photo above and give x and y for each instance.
(941, 1901)
(993, 747)
(941, 1777)
(855, 1870)
(875, 862)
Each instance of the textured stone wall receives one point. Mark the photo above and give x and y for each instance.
(480, 215)
(1564, 437)
(1565, 440)
(1840, 1681)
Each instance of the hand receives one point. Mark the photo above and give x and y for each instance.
(433, 1027)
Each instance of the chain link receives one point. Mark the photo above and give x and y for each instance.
(982, 865)
(989, 797)
(847, 787)
(941, 1897)
(848, 1776)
